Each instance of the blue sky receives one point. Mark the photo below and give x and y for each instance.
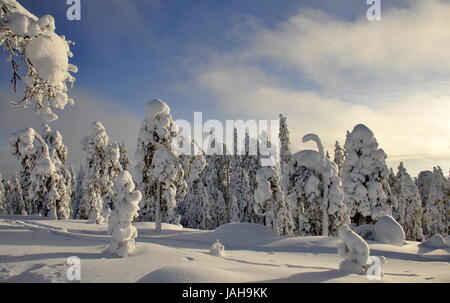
(253, 59)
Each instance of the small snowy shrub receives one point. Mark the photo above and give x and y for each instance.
(353, 249)
(217, 249)
(126, 205)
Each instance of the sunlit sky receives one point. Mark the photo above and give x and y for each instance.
(320, 63)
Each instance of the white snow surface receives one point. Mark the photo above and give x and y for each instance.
(34, 249)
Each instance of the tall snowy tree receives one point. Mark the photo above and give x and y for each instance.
(435, 194)
(161, 176)
(365, 177)
(102, 166)
(123, 159)
(409, 210)
(217, 179)
(15, 202)
(3, 206)
(195, 207)
(31, 42)
(38, 172)
(78, 191)
(58, 154)
(269, 201)
(332, 206)
(339, 156)
(310, 214)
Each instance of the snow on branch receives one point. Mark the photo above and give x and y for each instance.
(32, 44)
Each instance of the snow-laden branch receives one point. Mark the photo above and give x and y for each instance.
(32, 43)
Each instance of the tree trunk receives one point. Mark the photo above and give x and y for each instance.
(158, 210)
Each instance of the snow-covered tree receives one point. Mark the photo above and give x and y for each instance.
(78, 190)
(310, 171)
(269, 201)
(409, 210)
(126, 205)
(123, 159)
(365, 177)
(435, 193)
(102, 166)
(161, 176)
(15, 202)
(339, 156)
(58, 154)
(38, 173)
(32, 42)
(3, 206)
(195, 207)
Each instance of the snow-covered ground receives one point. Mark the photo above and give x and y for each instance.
(34, 249)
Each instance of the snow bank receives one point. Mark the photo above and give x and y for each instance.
(190, 274)
(243, 229)
(436, 241)
(389, 231)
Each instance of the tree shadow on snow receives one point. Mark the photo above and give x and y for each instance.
(310, 277)
(57, 255)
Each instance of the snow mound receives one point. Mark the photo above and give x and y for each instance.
(156, 107)
(243, 229)
(190, 274)
(389, 231)
(436, 241)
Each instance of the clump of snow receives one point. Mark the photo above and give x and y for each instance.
(217, 249)
(353, 249)
(126, 205)
(436, 241)
(389, 231)
(156, 107)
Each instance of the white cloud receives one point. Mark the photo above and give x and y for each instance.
(390, 75)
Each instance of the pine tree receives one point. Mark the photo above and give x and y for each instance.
(435, 194)
(16, 204)
(8, 191)
(339, 156)
(195, 207)
(409, 210)
(217, 179)
(124, 160)
(365, 177)
(102, 166)
(63, 186)
(270, 203)
(78, 191)
(2, 196)
(161, 176)
(38, 172)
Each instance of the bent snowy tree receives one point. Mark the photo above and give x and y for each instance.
(32, 44)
